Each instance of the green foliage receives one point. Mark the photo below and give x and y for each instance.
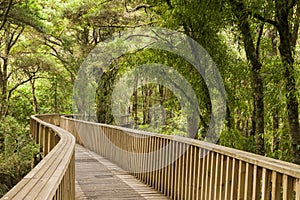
(17, 153)
(235, 139)
(26, 13)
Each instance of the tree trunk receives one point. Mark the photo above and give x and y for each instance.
(253, 58)
(11, 36)
(135, 102)
(161, 102)
(144, 96)
(149, 102)
(4, 88)
(104, 91)
(259, 112)
(5, 74)
(34, 99)
(285, 49)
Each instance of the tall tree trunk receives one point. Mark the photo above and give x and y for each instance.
(34, 99)
(144, 96)
(104, 92)
(149, 102)
(135, 102)
(55, 96)
(4, 86)
(4, 74)
(253, 57)
(11, 36)
(285, 49)
(161, 102)
(229, 118)
(259, 112)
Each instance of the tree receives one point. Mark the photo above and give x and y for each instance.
(284, 16)
(252, 53)
(13, 26)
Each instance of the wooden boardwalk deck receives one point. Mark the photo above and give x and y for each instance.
(98, 178)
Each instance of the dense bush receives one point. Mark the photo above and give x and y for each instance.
(17, 152)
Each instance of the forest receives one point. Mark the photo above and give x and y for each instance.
(254, 45)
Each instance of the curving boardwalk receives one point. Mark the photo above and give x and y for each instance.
(98, 178)
(200, 170)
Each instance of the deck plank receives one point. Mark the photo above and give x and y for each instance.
(98, 178)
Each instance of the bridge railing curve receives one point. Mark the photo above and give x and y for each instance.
(54, 175)
(202, 171)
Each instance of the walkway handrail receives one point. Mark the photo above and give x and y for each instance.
(54, 176)
(202, 170)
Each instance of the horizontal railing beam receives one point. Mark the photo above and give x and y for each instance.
(184, 168)
(54, 176)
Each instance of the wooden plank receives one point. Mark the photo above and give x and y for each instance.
(99, 178)
(159, 164)
(248, 181)
(148, 161)
(176, 171)
(173, 171)
(164, 172)
(297, 190)
(195, 169)
(222, 177)
(234, 179)
(192, 173)
(187, 176)
(276, 186)
(179, 172)
(217, 176)
(199, 166)
(203, 174)
(256, 183)
(265, 190)
(287, 187)
(151, 162)
(241, 180)
(183, 171)
(212, 175)
(207, 174)
(228, 177)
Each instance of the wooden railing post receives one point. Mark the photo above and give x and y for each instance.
(191, 169)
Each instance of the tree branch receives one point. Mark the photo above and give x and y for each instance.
(255, 15)
(261, 30)
(263, 19)
(16, 39)
(124, 26)
(143, 6)
(19, 84)
(6, 14)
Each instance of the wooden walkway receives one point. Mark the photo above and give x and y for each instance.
(98, 178)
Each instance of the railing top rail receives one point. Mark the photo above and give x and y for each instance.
(43, 180)
(251, 158)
